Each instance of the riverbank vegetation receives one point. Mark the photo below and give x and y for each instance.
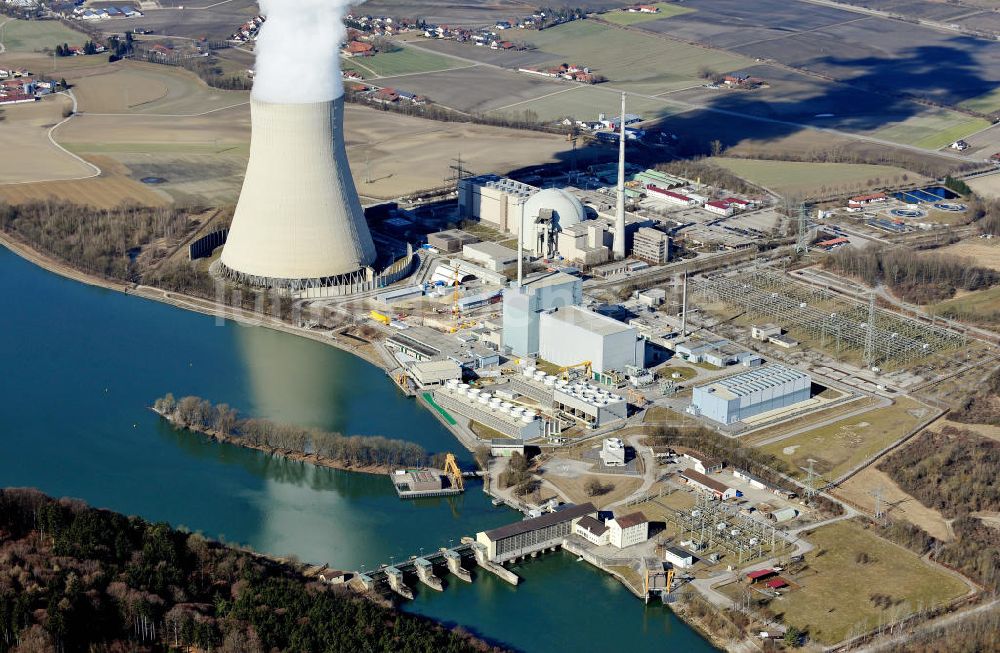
(222, 422)
(105, 243)
(73, 578)
(920, 278)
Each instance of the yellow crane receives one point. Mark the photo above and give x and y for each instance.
(453, 472)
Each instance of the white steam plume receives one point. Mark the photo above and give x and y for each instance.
(298, 51)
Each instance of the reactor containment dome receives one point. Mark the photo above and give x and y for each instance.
(566, 208)
(298, 223)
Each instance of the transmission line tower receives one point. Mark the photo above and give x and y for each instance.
(802, 241)
(879, 503)
(870, 332)
(811, 481)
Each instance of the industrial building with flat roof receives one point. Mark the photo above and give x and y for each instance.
(523, 305)
(751, 393)
(532, 535)
(572, 335)
(492, 256)
(651, 245)
(450, 240)
(426, 344)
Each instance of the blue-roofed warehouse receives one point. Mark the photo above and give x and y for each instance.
(751, 393)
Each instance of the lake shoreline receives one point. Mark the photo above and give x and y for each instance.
(287, 454)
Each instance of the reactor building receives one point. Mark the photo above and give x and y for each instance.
(299, 223)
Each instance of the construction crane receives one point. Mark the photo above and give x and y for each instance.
(453, 472)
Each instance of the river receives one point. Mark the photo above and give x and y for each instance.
(80, 364)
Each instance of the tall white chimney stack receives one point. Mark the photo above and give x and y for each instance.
(619, 243)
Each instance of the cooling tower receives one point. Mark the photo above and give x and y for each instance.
(299, 221)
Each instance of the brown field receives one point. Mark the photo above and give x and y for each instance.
(213, 133)
(984, 430)
(409, 154)
(136, 87)
(573, 488)
(985, 252)
(28, 153)
(110, 189)
(859, 490)
(987, 185)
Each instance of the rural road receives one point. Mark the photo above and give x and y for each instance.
(95, 171)
(3, 48)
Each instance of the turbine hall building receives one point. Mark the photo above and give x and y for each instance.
(751, 393)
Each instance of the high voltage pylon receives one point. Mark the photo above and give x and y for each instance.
(870, 332)
(802, 241)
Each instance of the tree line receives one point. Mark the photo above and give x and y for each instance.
(922, 278)
(73, 578)
(201, 415)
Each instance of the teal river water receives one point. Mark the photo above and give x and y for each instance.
(80, 364)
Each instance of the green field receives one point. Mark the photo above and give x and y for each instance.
(37, 35)
(667, 10)
(404, 61)
(631, 59)
(981, 306)
(586, 102)
(838, 447)
(987, 103)
(932, 129)
(793, 177)
(835, 597)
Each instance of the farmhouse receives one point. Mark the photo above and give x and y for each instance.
(359, 49)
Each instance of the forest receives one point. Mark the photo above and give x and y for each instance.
(982, 406)
(921, 278)
(954, 471)
(101, 242)
(224, 422)
(73, 578)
